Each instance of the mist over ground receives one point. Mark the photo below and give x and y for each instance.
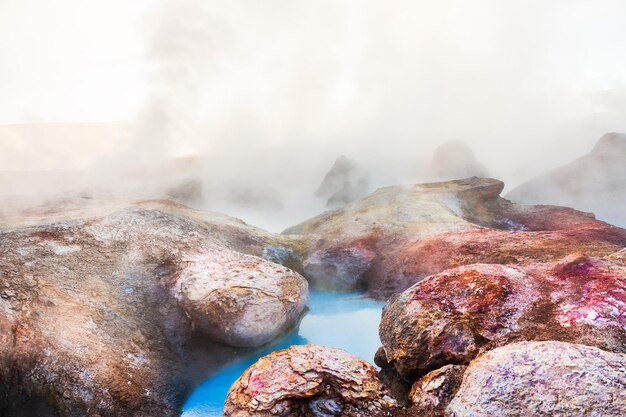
(247, 105)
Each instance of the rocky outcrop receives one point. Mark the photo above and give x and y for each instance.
(450, 317)
(595, 182)
(119, 314)
(396, 236)
(543, 379)
(345, 182)
(309, 380)
(454, 160)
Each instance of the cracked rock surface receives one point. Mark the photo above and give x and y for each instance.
(309, 380)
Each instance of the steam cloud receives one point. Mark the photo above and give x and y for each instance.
(266, 95)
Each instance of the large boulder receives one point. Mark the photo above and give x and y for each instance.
(397, 236)
(309, 380)
(595, 182)
(240, 300)
(450, 317)
(543, 379)
(119, 314)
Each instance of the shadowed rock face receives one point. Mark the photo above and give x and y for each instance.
(118, 315)
(433, 391)
(345, 182)
(308, 380)
(450, 317)
(595, 182)
(396, 236)
(543, 379)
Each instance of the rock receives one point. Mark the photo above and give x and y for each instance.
(260, 197)
(454, 160)
(240, 300)
(595, 182)
(120, 313)
(543, 379)
(345, 182)
(340, 267)
(188, 191)
(434, 391)
(396, 236)
(450, 317)
(309, 380)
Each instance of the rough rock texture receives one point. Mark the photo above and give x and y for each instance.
(345, 182)
(396, 236)
(116, 315)
(309, 380)
(594, 182)
(454, 159)
(543, 379)
(450, 317)
(436, 389)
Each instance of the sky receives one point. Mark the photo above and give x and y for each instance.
(71, 60)
(88, 60)
(528, 85)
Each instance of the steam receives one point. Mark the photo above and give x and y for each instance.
(264, 96)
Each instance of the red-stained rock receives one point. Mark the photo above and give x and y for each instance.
(309, 380)
(434, 391)
(396, 236)
(450, 317)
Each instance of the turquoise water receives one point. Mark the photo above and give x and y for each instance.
(343, 320)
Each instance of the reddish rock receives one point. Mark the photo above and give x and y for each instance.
(450, 317)
(397, 236)
(309, 380)
(434, 391)
(119, 315)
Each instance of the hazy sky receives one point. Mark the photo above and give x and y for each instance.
(512, 78)
(87, 60)
(71, 60)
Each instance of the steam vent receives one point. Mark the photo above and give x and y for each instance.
(321, 208)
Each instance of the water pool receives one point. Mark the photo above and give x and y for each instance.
(343, 320)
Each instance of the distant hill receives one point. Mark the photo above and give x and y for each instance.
(455, 160)
(595, 182)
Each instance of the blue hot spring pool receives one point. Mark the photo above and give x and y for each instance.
(343, 320)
